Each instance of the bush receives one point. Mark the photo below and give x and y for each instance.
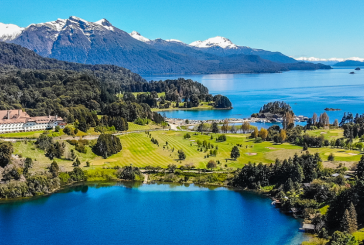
(129, 173)
(221, 137)
(258, 140)
(64, 177)
(331, 157)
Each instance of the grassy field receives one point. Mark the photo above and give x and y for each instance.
(136, 127)
(140, 151)
(29, 149)
(328, 134)
(359, 235)
(30, 134)
(202, 106)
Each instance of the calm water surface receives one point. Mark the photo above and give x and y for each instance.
(130, 213)
(306, 91)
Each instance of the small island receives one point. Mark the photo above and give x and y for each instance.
(331, 109)
(278, 111)
(357, 69)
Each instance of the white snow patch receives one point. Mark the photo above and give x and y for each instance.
(174, 40)
(9, 32)
(139, 37)
(106, 24)
(75, 18)
(214, 42)
(56, 25)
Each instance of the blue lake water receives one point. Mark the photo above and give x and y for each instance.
(306, 91)
(129, 213)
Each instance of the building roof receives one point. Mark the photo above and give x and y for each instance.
(19, 116)
(336, 174)
(308, 226)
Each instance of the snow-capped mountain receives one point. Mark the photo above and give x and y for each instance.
(218, 41)
(77, 40)
(219, 46)
(139, 37)
(9, 32)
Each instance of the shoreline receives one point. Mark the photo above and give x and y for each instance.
(191, 109)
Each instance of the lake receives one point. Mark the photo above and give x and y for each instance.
(306, 91)
(135, 213)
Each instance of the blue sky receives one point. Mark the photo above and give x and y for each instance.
(297, 28)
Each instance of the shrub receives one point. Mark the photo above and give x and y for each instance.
(258, 140)
(331, 157)
(129, 173)
(64, 177)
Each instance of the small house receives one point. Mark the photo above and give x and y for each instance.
(308, 228)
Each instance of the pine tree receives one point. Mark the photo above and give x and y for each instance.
(54, 169)
(214, 128)
(297, 173)
(345, 222)
(353, 218)
(360, 168)
(235, 153)
(288, 186)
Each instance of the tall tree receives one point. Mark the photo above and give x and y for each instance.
(283, 135)
(245, 127)
(214, 128)
(6, 150)
(345, 223)
(225, 126)
(353, 218)
(263, 133)
(235, 153)
(287, 119)
(314, 118)
(255, 133)
(54, 169)
(360, 168)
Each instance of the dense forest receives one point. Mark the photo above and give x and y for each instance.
(46, 86)
(302, 184)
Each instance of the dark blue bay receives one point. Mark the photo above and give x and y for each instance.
(147, 214)
(306, 91)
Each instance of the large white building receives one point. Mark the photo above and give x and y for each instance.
(20, 121)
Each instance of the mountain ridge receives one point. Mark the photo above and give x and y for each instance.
(80, 41)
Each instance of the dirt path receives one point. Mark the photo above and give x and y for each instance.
(145, 178)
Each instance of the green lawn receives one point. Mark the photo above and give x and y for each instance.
(135, 127)
(30, 134)
(29, 149)
(328, 134)
(359, 235)
(140, 151)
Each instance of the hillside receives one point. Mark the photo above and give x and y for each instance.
(350, 63)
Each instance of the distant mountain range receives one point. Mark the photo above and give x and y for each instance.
(77, 40)
(331, 61)
(350, 63)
